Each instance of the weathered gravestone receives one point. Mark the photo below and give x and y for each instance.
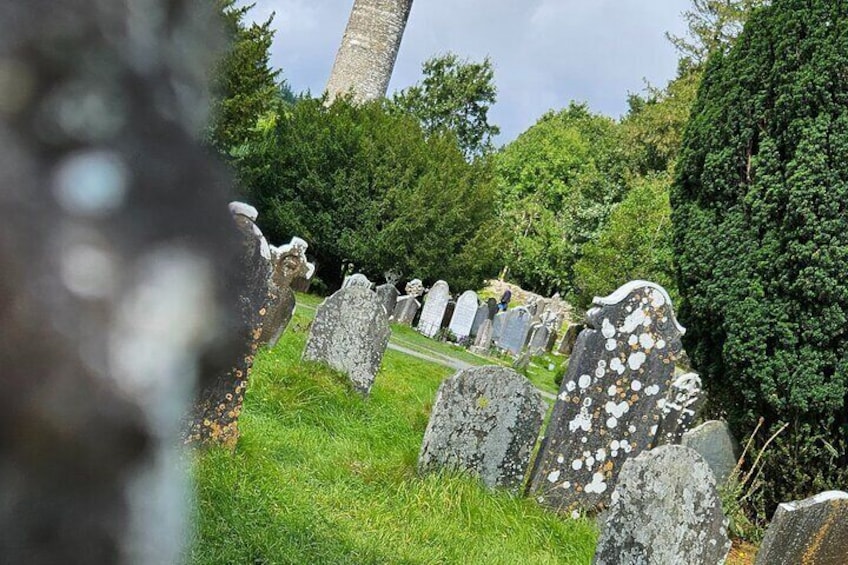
(446, 317)
(435, 303)
(812, 531)
(288, 263)
(485, 421)
(480, 316)
(516, 330)
(463, 315)
(414, 288)
(388, 296)
(498, 324)
(405, 310)
(539, 337)
(569, 338)
(357, 280)
(665, 511)
(716, 445)
(350, 333)
(115, 242)
(607, 409)
(679, 408)
(483, 340)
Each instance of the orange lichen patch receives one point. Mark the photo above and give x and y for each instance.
(741, 553)
(814, 545)
(262, 311)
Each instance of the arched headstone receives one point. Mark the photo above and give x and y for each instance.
(516, 330)
(434, 309)
(463, 315)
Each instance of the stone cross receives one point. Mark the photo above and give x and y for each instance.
(485, 421)
(434, 309)
(463, 315)
(350, 333)
(665, 510)
(610, 400)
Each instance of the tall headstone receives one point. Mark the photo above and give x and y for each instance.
(716, 444)
(483, 340)
(358, 280)
(516, 330)
(388, 296)
(405, 310)
(539, 337)
(568, 339)
(485, 421)
(610, 402)
(434, 309)
(665, 510)
(681, 406)
(350, 333)
(813, 531)
(288, 264)
(498, 324)
(115, 247)
(463, 315)
(480, 316)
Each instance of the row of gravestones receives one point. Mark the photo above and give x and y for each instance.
(618, 440)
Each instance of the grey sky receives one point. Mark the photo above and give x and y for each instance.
(546, 52)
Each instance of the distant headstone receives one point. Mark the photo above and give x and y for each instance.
(610, 401)
(350, 333)
(288, 263)
(358, 280)
(483, 340)
(448, 314)
(812, 531)
(665, 510)
(388, 296)
(569, 338)
(716, 445)
(414, 288)
(523, 361)
(492, 304)
(681, 406)
(516, 330)
(539, 337)
(464, 314)
(480, 316)
(405, 310)
(498, 324)
(434, 309)
(485, 421)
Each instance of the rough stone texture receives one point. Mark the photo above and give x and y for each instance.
(516, 330)
(414, 288)
(809, 532)
(114, 243)
(388, 296)
(369, 49)
(716, 445)
(682, 403)
(288, 263)
(350, 333)
(405, 310)
(434, 309)
(483, 340)
(498, 324)
(539, 338)
(609, 404)
(480, 316)
(464, 314)
(358, 280)
(569, 338)
(485, 421)
(665, 511)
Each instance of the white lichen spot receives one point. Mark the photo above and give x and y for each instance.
(625, 446)
(617, 410)
(577, 464)
(575, 514)
(570, 386)
(584, 440)
(598, 485)
(661, 344)
(646, 340)
(631, 429)
(582, 421)
(615, 496)
(566, 485)
(617, 366)
(560, 459)
(607, 329)
(611, 344)
(636, 385)
(553, 476)
(601, 454)
(563, 395)
(585, 381)
(612, 390)
(636, 360)
(615, 445)
(657, 298)
(590, 461)
(612, 422)
(632, 340)
(652, 390)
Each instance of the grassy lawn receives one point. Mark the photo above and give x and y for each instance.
(321, 475)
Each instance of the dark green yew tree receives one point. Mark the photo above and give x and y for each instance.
(761, 240)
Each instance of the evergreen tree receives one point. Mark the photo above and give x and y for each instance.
(761, 243)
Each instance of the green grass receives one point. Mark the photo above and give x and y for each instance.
(321, 475)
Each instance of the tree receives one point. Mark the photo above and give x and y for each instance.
(761, 243)
(455, 95)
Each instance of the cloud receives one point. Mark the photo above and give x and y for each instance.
(546, 52)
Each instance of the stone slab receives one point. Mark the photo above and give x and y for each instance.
(389, 295)
(433, 311)
(516, 330)
(463, 315)
(405, 310)
(716, 444)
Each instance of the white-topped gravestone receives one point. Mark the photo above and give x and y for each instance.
(463, 314)
(435, 304)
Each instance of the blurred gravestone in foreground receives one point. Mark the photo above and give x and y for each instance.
(112, 238)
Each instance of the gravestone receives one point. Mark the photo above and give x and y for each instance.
(405, 310)
(493, 307)
(483, 340)
(679, 409)
(414, 288)
(463, 315)
(812, 531)
(498, 323)
(448, 314)
(539, 337)
(388, 296)
(433, 311)
(569, 338)
(666, 511)
(357, 280)
(350, 334)
(115, 253)
(485, 421)
(480, 316)
(516, 330)
(610, 399)
(288, 264)
(714, 442)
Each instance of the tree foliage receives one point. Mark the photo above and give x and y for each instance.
(759, 215)
(455, 95)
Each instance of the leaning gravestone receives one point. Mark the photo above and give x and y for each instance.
(539, 337)
(434, 309)
(483, 340)
(405, 310)
(115, 254)
(666, 511)
(388, 296)
(498, 324)
(288, 263)
(350, 333)
(569, 338)
(516, 329)
(463, 315)
(358, 280)
(607, 409)
(480, 316)
(716, 445)
(812, 531)
(485, 421)
(679, 409)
